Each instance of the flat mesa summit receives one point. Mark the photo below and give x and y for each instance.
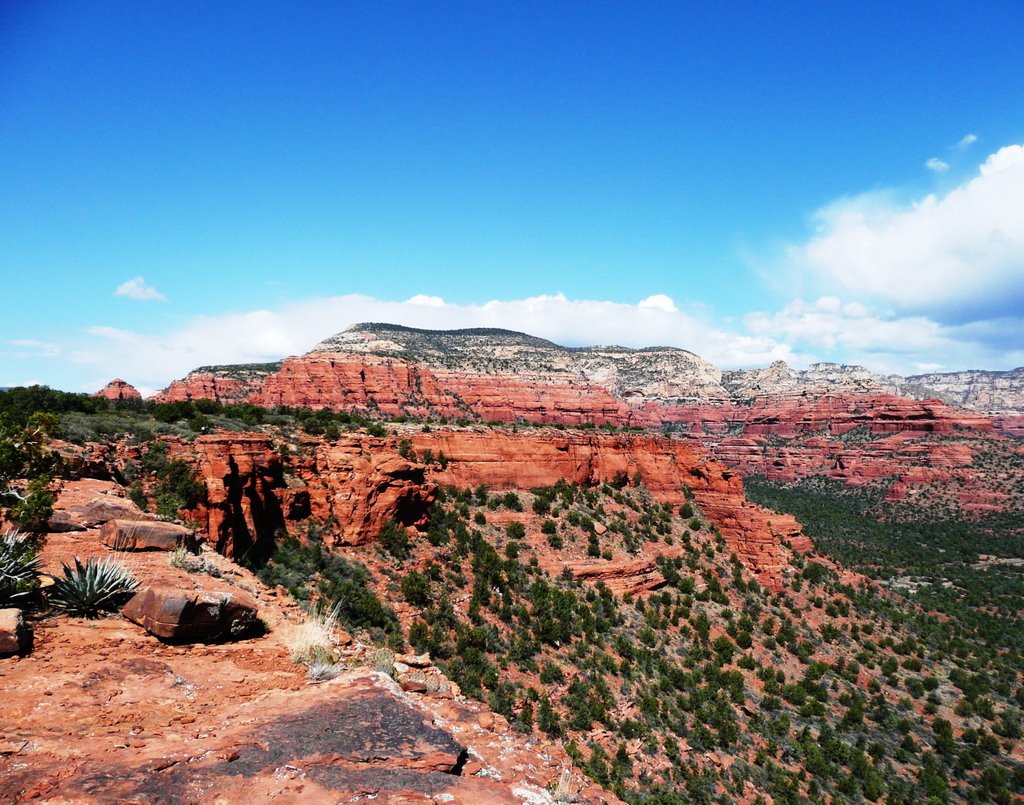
(503, 375)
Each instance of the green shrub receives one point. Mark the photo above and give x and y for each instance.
(312, 572)
(34, 510)
(138, 495)
(416, 589)
(100, 585)
(394, 540)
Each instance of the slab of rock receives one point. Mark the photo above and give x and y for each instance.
(15, 635)
(192, 616)
(86, 503)
(145, 535)
(416, 660)
(94, 512)
(355, 738)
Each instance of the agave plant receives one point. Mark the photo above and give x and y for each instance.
(100, 585)
(19, 568)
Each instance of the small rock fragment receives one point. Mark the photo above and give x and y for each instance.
(15, 634)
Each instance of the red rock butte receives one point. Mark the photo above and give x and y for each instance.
(117, 390)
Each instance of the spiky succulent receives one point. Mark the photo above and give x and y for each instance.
(100, 585)
(19, 568)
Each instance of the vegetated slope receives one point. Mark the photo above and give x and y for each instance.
(675, 691)
(703, 685)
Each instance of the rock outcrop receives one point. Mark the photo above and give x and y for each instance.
(225, 384)
(978, 390)
(629, 577)
(118, 390)
(799, 415)
(360, 483)
(357, 483)
(398, 387)
(670, 468)
(246, 494)
(84, 504)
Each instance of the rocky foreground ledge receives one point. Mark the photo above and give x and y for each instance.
(102, 711)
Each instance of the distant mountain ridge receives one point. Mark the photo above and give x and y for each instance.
(634, 378)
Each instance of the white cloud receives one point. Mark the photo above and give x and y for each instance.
(30, 349)
(967, 141)
(828, 324)
(427, 301)
(958, 255)
(659, 301)
(884, 341)
(150, 361)
(138, 289)
(936, 165)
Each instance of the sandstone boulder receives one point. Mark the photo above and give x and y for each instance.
(192, 616)
(15, 635)
(144, 535)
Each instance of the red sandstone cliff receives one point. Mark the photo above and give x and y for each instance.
(359, 482)
(395, 386)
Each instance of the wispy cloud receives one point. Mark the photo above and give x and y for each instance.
(138, 289)
(967, 141)
(936, 165)
(30, 349)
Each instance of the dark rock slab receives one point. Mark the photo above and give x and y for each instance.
(351, 739)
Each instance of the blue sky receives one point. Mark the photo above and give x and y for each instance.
(188, 183)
